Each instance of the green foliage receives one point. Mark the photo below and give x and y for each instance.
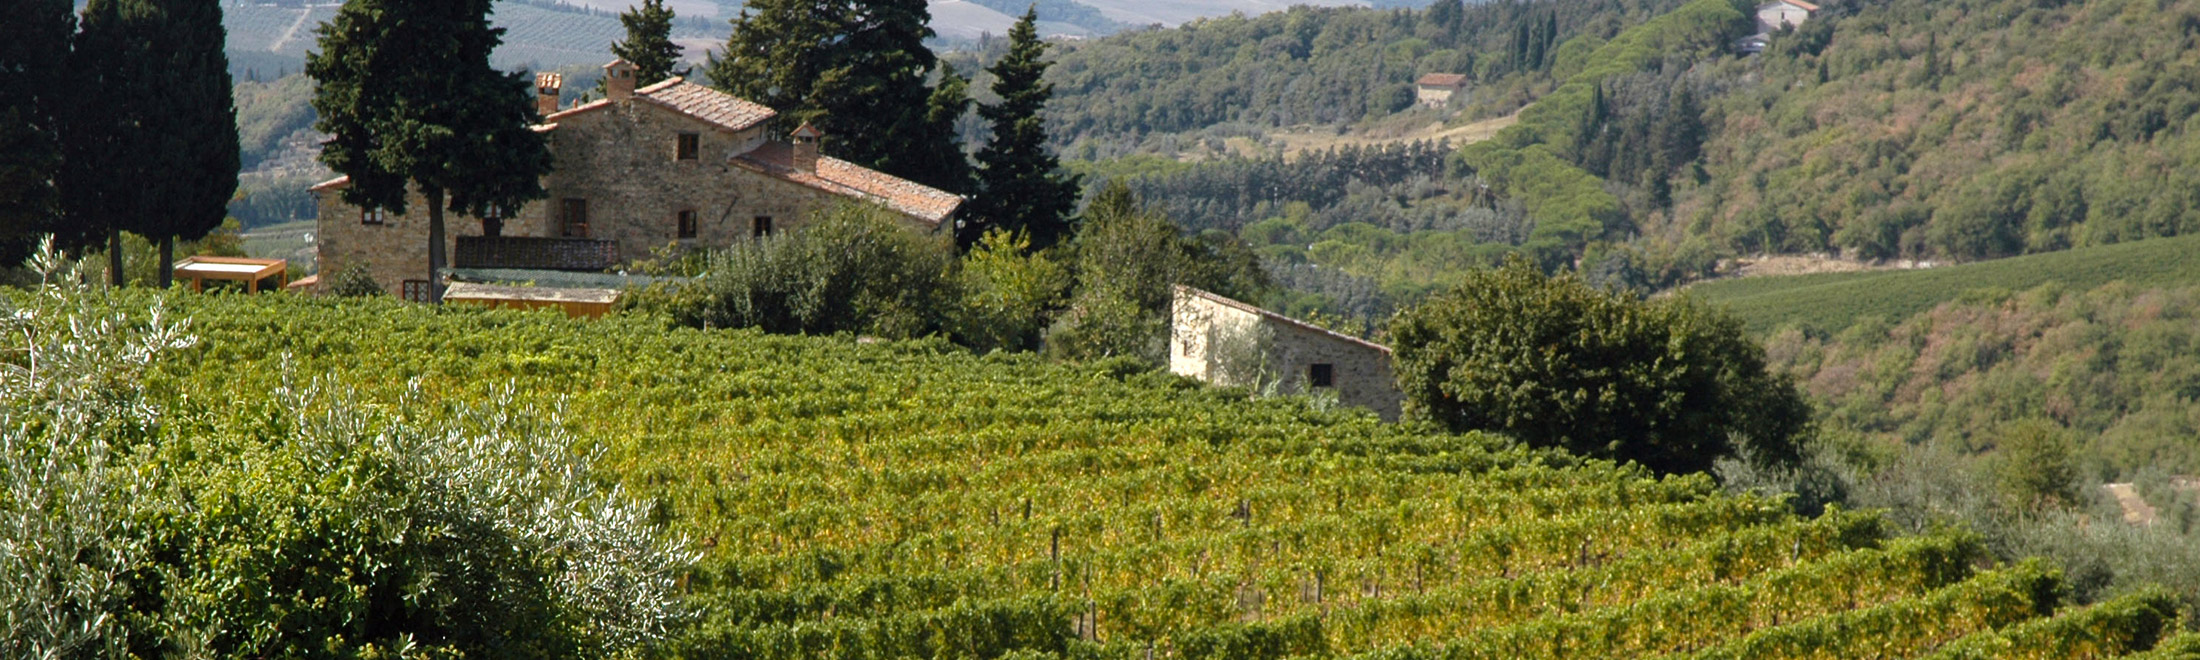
(34, 51)
(2086, 142)
(1531, 159)
(143, 522)
(648, 44)
(1007, 295)
(1831, 303)
(354, 282)
(853, 268)
(163, 170)
(1666, 383)
(1021, 185)
(1129, 258)
(857, 71)
(2035, 467)
(1310, 66)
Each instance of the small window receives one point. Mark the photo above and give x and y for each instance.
(687, 224)
(761, 227)
(1321, 375)
(416, 291)
(691, 146)
(373, 216)
(575, 218)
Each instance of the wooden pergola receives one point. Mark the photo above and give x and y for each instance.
(235, 269)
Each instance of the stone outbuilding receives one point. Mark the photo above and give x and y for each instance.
(1231, 343)
(1436, 90)
(675, 163)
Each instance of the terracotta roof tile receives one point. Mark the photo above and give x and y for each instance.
(842, 177)
(717, 108)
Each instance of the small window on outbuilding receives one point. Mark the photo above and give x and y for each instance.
(1321, 375)
(687, 224)
(691, 146)
(492, 221)
(373, 216)
(416, 291)
(761, 226)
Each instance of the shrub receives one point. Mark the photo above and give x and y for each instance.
(855, 268)
(1007, 297)
(354, 282)
(300, 524)
(1555, 362)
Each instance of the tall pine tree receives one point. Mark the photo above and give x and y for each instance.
(858, 71)
(152, 149)
(648, 45)
(34, 51)
(1022, 186)
(409, 99)
(776, 54)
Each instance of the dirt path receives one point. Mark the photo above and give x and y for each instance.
(291, 33)
(1298, 141)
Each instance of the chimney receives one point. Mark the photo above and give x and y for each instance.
(806, 140)
(618, 81)
(546, 93)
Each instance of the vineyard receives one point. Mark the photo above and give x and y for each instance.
(859, 499)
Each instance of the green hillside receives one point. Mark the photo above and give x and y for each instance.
(855, 499)
(1831, 302)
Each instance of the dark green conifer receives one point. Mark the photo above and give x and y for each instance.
(152, 148)
(410, 101)
(34, 50)
(1022, 186)
(648, 45)
(858, 72)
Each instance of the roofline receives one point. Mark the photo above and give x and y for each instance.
(1244, 307)
(643, 94)
(845, 189)
(331, 184)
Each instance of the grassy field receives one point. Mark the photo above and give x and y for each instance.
(910, 499)
(1831, 302)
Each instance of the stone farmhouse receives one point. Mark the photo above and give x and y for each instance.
(1436, 89)
(671, 163)
(1230, 343)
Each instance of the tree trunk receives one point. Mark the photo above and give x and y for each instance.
(114, 257)
(435, 244)
(167, 261)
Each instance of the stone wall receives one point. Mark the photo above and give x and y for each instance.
(1230, 343)
(623, 161)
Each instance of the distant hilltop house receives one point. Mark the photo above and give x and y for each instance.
(1231, 343)
(673, 162)
(1436, 89)
(1772, 16)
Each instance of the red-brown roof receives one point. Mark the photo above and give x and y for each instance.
(841, 177)
(1442, 80)
(725, 111)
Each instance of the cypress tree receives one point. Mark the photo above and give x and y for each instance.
(1022, 186)
(776, 53)
(153, 147)
(856, 70)
(34, 51)
(409, 100)
(648, 45)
